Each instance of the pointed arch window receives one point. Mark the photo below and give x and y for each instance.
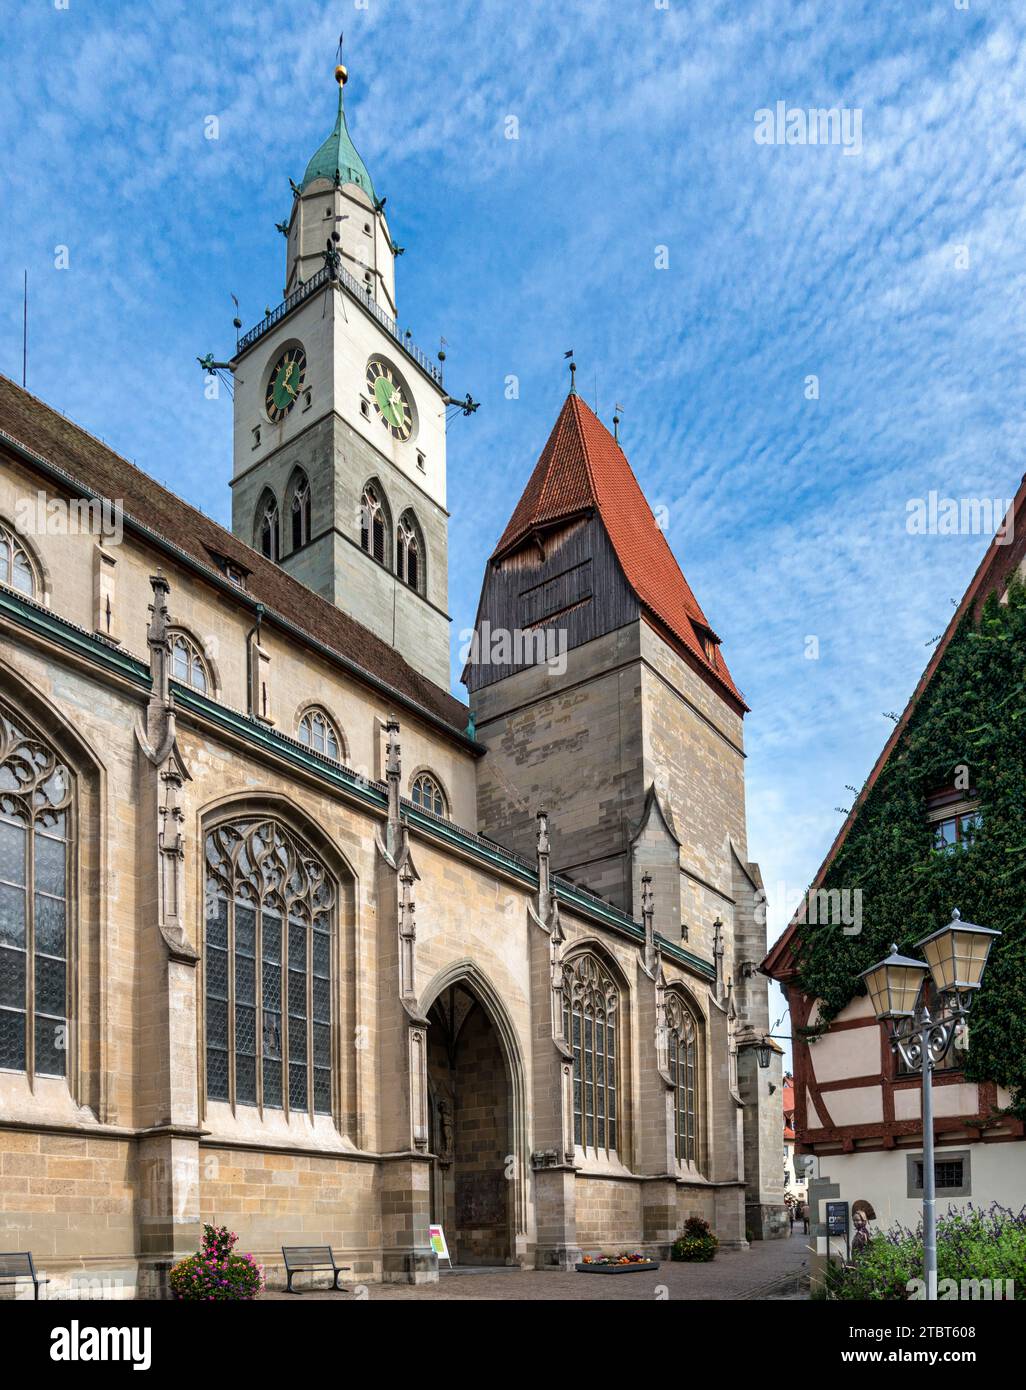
(410, 554)
(374, 525)
(318, 731)
(269, 528)
(300, 511)
(682, 1042)
(36, 844)
(188, 665)
(590, 1013)
(270, 924)
(427, 793)
(16, 568)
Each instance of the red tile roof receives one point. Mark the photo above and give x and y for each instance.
(45, 433)
(583, 468)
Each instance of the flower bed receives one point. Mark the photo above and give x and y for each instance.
(978, 1247)
(626, 1263)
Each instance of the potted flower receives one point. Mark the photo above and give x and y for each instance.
(216, 1274)
(696, 1241)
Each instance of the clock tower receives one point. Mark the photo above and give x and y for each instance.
(339, 434)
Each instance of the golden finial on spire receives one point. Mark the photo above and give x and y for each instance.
(341, 75)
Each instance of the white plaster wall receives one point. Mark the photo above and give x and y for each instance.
(998, 1175)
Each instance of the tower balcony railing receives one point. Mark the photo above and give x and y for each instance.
(359, 292)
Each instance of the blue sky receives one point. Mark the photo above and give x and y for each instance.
(636, 131)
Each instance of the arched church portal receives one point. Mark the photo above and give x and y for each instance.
(472, 1124)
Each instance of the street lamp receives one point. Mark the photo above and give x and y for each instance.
(956, 957)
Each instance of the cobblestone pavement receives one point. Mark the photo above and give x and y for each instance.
(733, 1274)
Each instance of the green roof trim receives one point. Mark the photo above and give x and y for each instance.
(339, 153)
(44, 623)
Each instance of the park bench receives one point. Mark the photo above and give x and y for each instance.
(302, 1257)
(16, 1265)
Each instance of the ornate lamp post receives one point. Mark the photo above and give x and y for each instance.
(956, 957)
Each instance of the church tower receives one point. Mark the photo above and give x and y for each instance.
(339, 431)
(600, 690)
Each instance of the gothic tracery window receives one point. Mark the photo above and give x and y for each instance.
(15, 566)
(187, 664)
(373, 525)
(590, 1000)
(36, 807)
(269, 528)
(300, 512)
(318, 732)
(409, 558)
(270, 913)
(427, 794)
(682, 1045)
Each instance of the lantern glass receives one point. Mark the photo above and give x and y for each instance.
(894, 985)
(764, 1055)
(957, 955)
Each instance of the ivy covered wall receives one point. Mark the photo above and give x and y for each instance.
(972, 714)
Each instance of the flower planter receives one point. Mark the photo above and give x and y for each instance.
(593, 1267)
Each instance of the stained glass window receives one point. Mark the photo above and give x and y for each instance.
(187, 663)
(682, 1041)
(270, 909)
(15, 565)
(317, 731)
(590, 1000)
(427, 794)
(36, 805)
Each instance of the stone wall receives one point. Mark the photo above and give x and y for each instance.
(275, 1199)
(609, 1215)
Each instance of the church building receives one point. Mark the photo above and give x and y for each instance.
(293, 940)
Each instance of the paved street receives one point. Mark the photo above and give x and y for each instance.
(734, 1274)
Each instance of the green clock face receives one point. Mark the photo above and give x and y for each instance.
(285, 384)
(390, 400)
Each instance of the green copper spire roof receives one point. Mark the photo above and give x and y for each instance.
(339, 152)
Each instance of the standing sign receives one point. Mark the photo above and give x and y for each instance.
(837, 1223)
(438, 1245)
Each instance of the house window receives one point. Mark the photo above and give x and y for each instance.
(373, 527)
(318, 732)
(270, 529)
(270, 919)
(15, 566)
(187, 664)
(301, 512)
(956, 832)
(36, 806)
(951, 1174)
(427, 794)
(682, 1040)
(590, 1000)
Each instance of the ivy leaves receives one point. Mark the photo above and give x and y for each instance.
(970, 715)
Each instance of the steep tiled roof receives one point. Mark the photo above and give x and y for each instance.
(48, 434)
(1006, 552)
(583, 468)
